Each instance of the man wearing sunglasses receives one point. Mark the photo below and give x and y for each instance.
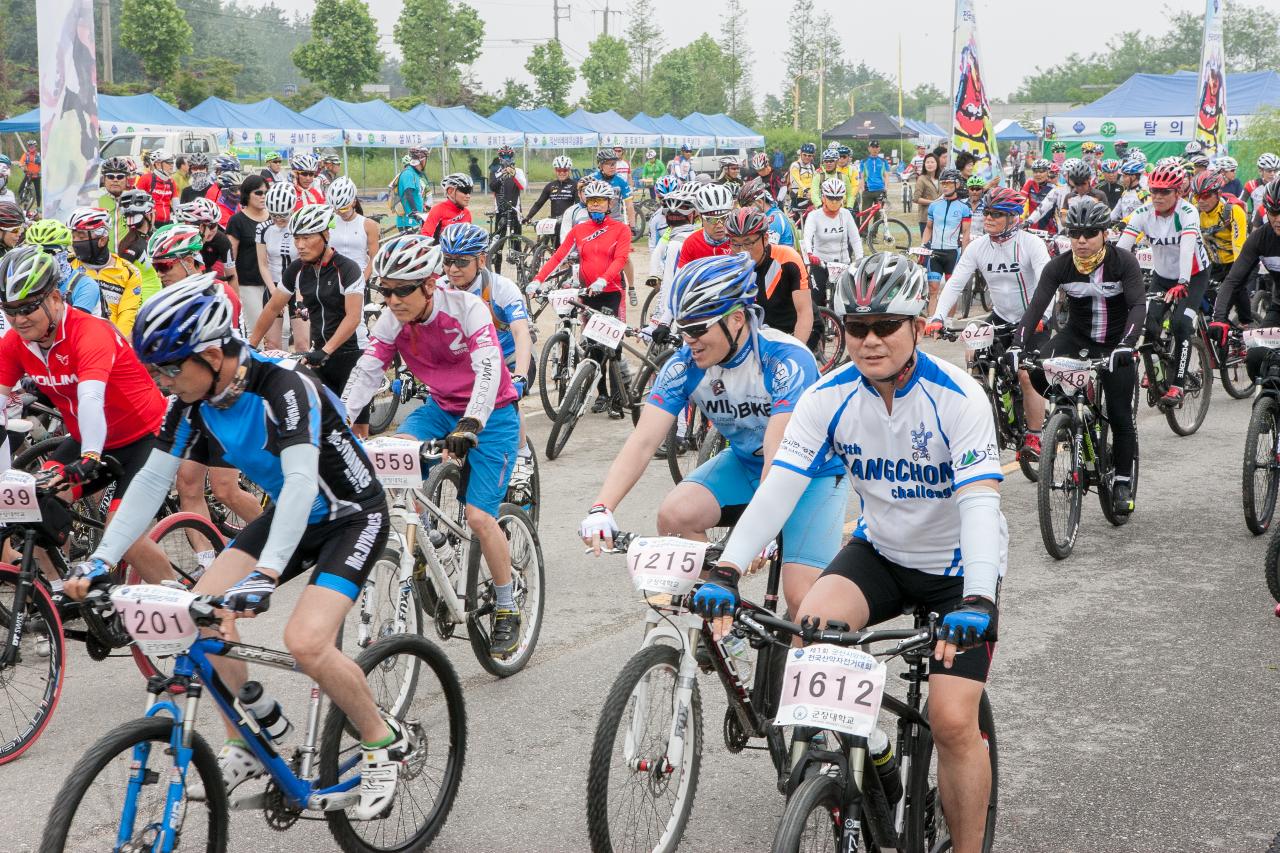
(91, 376)
(1180, 265)
(1262, 245)
(915, 438)
(302, 169)
(714, 203)
(1106, 305)
(115, 180)
(453, 209)
(746, 379)
(447, 340)
(782, 281)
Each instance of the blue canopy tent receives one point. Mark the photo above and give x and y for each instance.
(1010, 131)
(926, 130)
(266, 124)
(615, 130)
(542, 129)
(123, 114)
(727, 132)
(464, 129)
(372, 124)
(675, 133)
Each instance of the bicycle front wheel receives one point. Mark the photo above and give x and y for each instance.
(1187, 418)
(826, 341)
(433, 713)
(386, 400)
(889, 235)
(527, 576)
(572, 407)
(1060, 490)
(1261, 464)
(121, 788)
(555, 369)
(812, 821)
(30, 673)
(636, 798)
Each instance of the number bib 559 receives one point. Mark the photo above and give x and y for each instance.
(831, 687)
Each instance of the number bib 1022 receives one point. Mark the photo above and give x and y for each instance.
(831, 687)
(396, 461)
(157, 617)
(605, 330)
(18, 497)
(665, 564)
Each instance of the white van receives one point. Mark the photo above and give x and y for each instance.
(177, 143)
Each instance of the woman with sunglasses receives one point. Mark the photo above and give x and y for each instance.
(1180, 264)
(1106, 304)
(915, 437)
(276, 251)
(354, 235)
(242, 232)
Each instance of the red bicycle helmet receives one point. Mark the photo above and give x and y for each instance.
(1168, 177)
(1271, 197)
(11, 216)
(746, 222)
(1207, 183)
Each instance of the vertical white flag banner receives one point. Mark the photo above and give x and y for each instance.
(68, 104)
(1211, 109)
(971, 127)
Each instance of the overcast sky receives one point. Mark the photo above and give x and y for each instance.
(868, 30)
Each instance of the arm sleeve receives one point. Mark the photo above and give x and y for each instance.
(768, 511)
(983, 540)
(621, 251)
(1188, 240)
(1246, 261)
(964, 270)
(486, 361)
(1135, 296)
(146, 492)
(300, 465)
(807, 242)
(366, 376)
(91, 395)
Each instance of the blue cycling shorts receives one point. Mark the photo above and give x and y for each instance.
(490, 461)
(811, 535)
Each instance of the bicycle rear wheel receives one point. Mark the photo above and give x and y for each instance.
(1060, 489)
(30, 673)
(1261, 465)
(643, 383)
(826, 341)
(555, 370)
(1107, 476)
(889, 235)
(633, 792)
(696, 434)
(813, 819)
(1188, 417)
(528, 577)
(86, 813)
(572, 407)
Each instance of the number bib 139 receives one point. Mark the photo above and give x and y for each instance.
(397, 461)
(831, 687)
(665, 564)
(18, 497)
(604, 330)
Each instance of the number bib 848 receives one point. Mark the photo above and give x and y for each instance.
(831, 687)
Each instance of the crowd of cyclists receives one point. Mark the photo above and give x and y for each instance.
(211, 331)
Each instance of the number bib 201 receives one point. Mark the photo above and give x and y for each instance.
(157, 617)
(831, 687)
(396, 461)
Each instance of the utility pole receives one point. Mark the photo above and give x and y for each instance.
(108, 69)
(822, 83)
(795, 106)
(606, 13)
(558, 16)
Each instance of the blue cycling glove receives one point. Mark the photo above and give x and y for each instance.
(250, 595)
(719, 595)
(520, 382)
(97, 571)
(973, 622)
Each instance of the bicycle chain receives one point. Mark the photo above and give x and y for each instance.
(735, 737)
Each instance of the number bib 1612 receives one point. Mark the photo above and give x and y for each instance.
(18, 497)
(604, 330)
(665, 564)
(831, 687)
(396, 461)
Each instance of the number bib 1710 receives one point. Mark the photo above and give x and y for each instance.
(604, 330)
(831, 687)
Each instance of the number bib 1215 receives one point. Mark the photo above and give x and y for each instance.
(396, 461)
(665, 564)
(831, 687)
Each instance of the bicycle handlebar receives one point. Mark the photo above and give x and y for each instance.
(758, 621)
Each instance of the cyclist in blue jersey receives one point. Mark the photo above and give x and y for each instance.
(276, 422)
(947, 231)
(755, 193)
(874, 168)
(746, 381)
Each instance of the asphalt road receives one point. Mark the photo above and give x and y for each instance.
(1134, 688)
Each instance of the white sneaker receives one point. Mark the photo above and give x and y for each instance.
(238, 765)
(379, 772)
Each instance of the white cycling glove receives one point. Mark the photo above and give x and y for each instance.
(597, 286)
(532, 288)
(599, 523)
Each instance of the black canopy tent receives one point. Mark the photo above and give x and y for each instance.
(868, 125)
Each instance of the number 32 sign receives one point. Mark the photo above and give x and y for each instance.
(830, 687)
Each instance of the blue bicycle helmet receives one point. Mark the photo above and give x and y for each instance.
(666, 184)
(808, 148)
(181, 320)
(1133, 166)
(226, 164)
(707, 289)
(464, 238)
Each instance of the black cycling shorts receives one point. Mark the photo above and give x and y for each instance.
(132, 457)
(343, 551)
(891, 590)
(944, 261)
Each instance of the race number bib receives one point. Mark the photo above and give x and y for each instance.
(396, 461)
(1268, 338)
(1146, 259)
(562, 300)
(1070, 373)
(834, 271)
(18, 497)
(978, 336)
(831, 687)
(604, 330)
(545, 227)
(157, 617)
(665, 564)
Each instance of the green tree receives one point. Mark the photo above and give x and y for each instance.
(1261, 134)
(737, 53)
(692, 78)
(552, 76)
(644, 41)
(514, 94)
(437, 39)
(202, 78)
(802, 61)
(158, 32)
(342, 54)
(605, 73)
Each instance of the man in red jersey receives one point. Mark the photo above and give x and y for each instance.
(457, 196)
(715, 203)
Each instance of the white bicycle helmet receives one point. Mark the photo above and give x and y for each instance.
(409, 257)
(833, 188)
(759, 160)
(562, 162)
(714, 200)
(457, 180)
(281, 199)
(597, 189)
(1225, 164)
(341, 193)
(651, 154)
(1268, 161)
(303, 163)
(199, 211)
(160, 155)
(92, 220)
(311, 219)
(883, 283)
(682, 201)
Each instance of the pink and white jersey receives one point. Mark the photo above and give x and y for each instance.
(454, 352)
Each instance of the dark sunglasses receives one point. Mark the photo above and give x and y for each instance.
(169, 369)
(304, 174)
(1086, 233)
(24, 310)
(115, 176)
(1162, 191)
(695, 331)
(882, 328)
(258, 192)
(746, 243)
(458, 261)
(404, 291)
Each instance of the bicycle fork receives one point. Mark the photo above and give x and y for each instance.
(686, 636)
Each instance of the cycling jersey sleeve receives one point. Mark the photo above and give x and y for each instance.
(289, 277)
(1050, 202)
(1037, 258)
(965, 268)
(1188, 238)
(86, 294)
(804, 447)
(299, 463)
(1046, 289)
(671, 388)
(91, 395)
(1239, 228)
(810, 229)
(1245, 263)
(787, 373)
(146, 492)
(125, 312)
(486, 360)
(10, 366)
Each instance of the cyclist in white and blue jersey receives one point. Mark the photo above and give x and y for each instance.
(755, 192)
(916, 437)
(746, 380)
(946, 232)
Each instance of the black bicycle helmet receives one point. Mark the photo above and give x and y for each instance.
(1271, 197)
(1087, 212)
(605, 155)
(116, 166)
(1078, 171)
(951, 175)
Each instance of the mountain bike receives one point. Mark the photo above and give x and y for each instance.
(510, 248)
(987, 364)
(647, 750)
(1075, 451)
(135, 788)
(35, 617)
(545, 245)
(27, 196)
(1228, 360)
(826, 341)
(433, 566)
(974, 288)
(1262, 449)
(645, 209)
(1158, 369)
(560, 355)
(603, 342)
(881, 233)
(834, 694)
